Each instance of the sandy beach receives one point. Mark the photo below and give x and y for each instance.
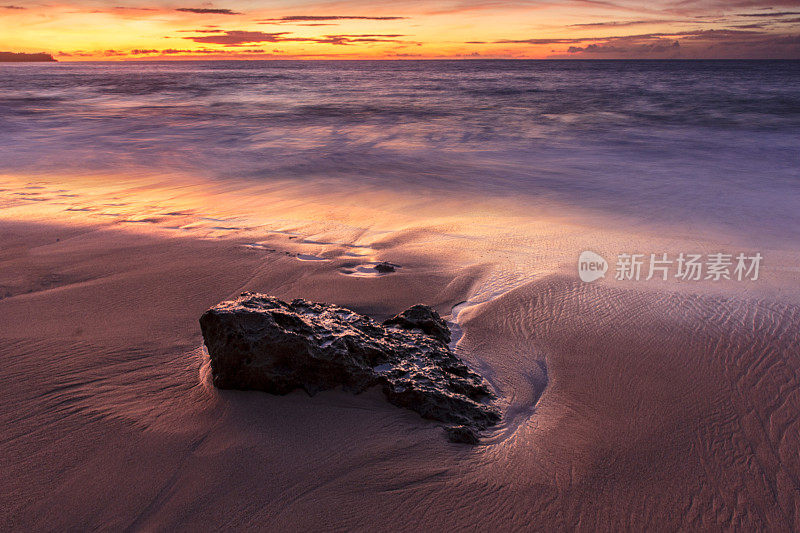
(626, 406)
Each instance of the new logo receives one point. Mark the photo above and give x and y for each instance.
(591, 266)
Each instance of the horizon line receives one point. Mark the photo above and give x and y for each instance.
(188, 60)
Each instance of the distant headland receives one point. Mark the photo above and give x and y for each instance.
(12, 57)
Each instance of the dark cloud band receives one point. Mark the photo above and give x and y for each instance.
(207, 11)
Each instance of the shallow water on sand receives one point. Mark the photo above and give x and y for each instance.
(351, 231)
(702, 144)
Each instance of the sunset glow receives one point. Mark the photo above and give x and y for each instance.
(78, 30)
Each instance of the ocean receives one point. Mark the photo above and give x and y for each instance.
(651, 143)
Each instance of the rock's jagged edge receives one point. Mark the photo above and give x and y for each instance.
(259, 342)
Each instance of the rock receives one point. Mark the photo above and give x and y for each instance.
(423, 318)
(464, 434)
(384, 267)
(260, 342)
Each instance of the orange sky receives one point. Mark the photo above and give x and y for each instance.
(74, 30)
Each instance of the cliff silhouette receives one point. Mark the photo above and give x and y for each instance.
(12, 57)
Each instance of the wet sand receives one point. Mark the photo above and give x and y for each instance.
(625, 406)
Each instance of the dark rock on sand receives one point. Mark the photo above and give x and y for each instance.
(423, 318)
(259, 342)
(463, 434)
(384, 267)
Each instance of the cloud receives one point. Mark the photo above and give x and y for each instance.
(322, 18)
(12, 7)
(238, 37)
(717, 34)
(565, 40)
(620, 23)
(75, 53)
(462, 6)
(724, 43)
(770, 14)
(362, 38)
(207, 11)
(203, 51)
(693, 34)
(727, 6)
(618, 48)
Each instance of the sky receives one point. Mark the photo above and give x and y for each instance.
(80, 30)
